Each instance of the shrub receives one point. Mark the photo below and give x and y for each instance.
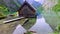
(3, 11)
(58, 28)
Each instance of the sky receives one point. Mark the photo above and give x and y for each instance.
(31, 1)
(40, 1)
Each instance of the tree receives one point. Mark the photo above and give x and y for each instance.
(3, 11)
(56, 8)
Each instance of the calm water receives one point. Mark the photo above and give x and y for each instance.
(41, 27)
(19, 30)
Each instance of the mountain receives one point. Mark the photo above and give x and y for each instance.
(38, 7)
(36, 4)
(20, 1)
(12, 5)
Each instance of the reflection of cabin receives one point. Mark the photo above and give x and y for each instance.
(26, 10)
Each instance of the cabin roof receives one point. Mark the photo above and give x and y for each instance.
(26, 3)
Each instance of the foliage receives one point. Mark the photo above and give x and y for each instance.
(58, 28)
(15, 14)
(3, 11)
(14, 2)
(1, 15)
(29, 32)
(12, 5)
(56, 8)
(58, 1)
(56, 32)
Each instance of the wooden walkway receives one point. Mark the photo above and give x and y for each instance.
(12, 20)
(16, 19)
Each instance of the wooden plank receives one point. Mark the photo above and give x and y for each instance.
(12, 20)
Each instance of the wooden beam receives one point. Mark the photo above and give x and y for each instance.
(8, 21)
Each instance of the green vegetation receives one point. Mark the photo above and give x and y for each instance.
(3, 11)
(55, 33)
(56, 8)
(53, 20)
(30, 23)
(2, 15)
(15, 14)
(58, 28)
(13, 2)
(29, 32)
(52, 17)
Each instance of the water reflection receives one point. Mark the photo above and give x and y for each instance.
(19, 30)
(41, 27)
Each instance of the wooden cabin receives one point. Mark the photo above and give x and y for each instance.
(26, 10)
